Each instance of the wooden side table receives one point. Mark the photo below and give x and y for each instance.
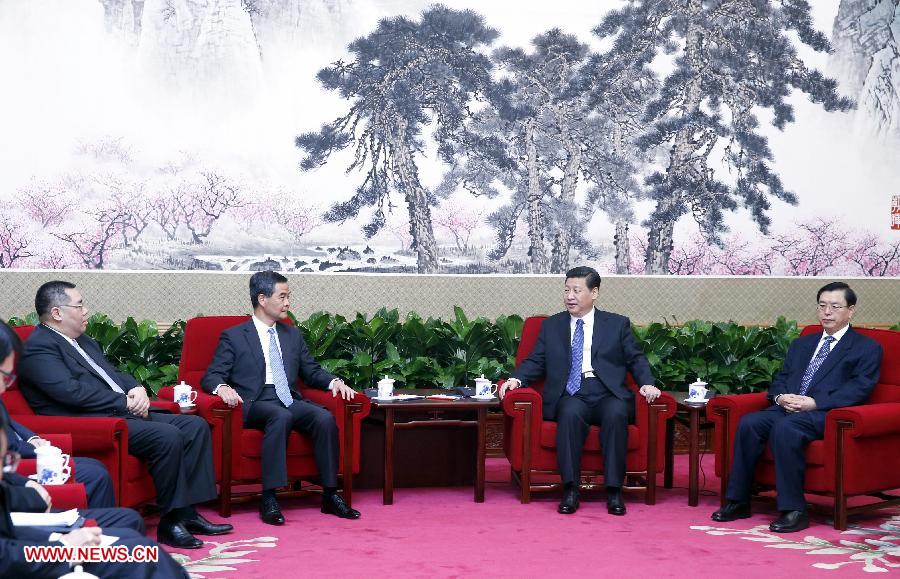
(437, 411)
(693, 411)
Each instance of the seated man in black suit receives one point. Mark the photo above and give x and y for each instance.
(583, 354)
(27, 496)
(88, 471)
(836, 368)
(258, 363)
(122, 523)
(64, 373)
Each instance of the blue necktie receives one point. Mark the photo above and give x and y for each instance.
(814, 364)
(278, 376)
(574, 382)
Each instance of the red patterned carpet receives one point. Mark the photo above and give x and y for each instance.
(443, 533)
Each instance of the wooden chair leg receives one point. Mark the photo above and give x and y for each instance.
(526, 486)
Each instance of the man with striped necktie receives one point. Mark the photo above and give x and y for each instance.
(836, 368)
(258, 363)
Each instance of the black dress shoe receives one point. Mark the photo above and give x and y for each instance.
(270, 512)
(732, 512)
(175, 535)
(614, 503)
(200, 526)
(336, 506)
(790, 522)
(570, 503)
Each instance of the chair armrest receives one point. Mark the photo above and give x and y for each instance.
(166, 405)
(735, 406)
(516, 405)
(90, 435)
(868, 420)
(68, 496)
(205, 402)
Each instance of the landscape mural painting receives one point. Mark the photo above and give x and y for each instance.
(739, 137)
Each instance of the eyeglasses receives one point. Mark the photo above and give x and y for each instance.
(76, 306)
(8, 377)
(833, 307)
(11, 461)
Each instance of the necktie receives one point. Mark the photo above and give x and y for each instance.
(281, 382)
(106, 377)
(814, 364)
(574, 382)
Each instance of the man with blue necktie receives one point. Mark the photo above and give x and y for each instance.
(257, 363)
(583, 354)
(836, 368)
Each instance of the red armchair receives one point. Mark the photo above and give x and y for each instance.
(859, 454)
(237, 449)
(530, 441)
(70, 495)
(105, 439)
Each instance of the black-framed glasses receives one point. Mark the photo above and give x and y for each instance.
(8, 377)
(834, 307)
(11, 461)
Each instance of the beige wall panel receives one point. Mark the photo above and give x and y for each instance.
(166, 296)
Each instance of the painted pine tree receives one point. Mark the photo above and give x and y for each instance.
(731, 58)
(405, 75)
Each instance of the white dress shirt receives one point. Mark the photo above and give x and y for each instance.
(263, 331)
(588, 338)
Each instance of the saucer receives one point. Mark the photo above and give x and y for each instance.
(696, 400)
(191, 405)
(488, 397)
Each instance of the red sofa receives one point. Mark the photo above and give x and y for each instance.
(237, 449)
(105, 439)
(530, 441)
(860, 454)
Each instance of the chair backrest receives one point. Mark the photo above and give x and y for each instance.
(13, 400)
(201, 336)
(530, 331)
(888, 387)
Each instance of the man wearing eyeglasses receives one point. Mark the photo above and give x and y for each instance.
(836, 368)
(64, 373)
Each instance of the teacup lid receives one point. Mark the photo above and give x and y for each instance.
(699, 383)
(78, 573)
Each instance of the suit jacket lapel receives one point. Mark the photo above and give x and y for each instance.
(836, 355)
(565, 336)
(288, 357)
(69, 350)
(255, 346)
(598, 335)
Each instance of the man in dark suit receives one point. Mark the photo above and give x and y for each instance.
(583, 355)
(64, 373)
(258, 363)
(836, 368)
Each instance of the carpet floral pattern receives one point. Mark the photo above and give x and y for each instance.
(224, 556)
(873, 549)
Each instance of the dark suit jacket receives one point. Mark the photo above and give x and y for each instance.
(17, 435)
(845, 378)
(57, 380)
(614, 351)
(239, 362)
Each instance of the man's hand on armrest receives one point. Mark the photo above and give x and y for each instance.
(228, 395)
(510, 384)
